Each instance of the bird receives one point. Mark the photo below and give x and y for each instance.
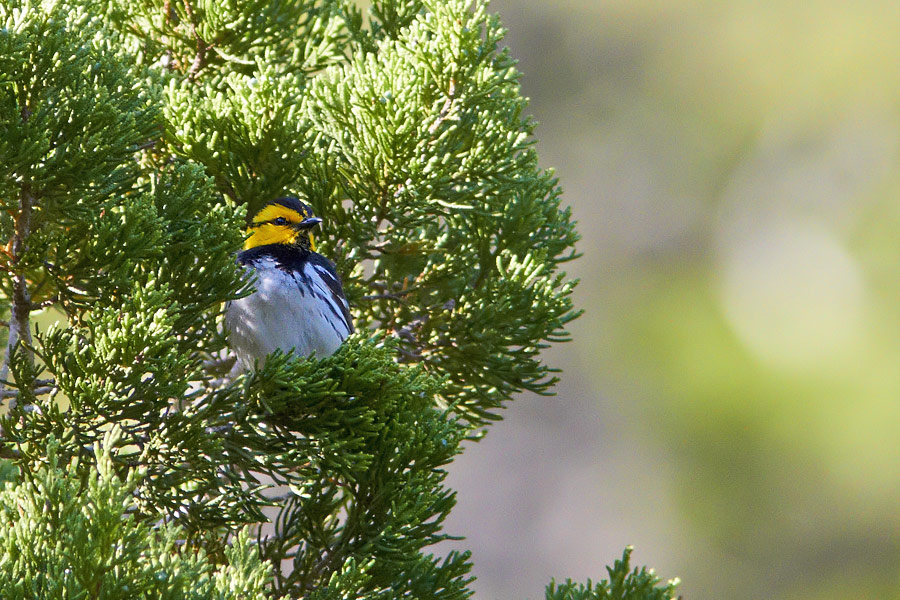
(298, 304)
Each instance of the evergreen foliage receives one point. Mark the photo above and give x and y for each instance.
(70, 532)
(623, 584)
(136, 136)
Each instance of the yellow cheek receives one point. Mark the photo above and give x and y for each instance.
(270, 234)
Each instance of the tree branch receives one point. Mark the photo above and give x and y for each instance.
(41, 386)
(19, 323)
(202, 46)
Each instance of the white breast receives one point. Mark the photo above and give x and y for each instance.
(284, 313)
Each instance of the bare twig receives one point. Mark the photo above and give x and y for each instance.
(19, 324)
(202, 46)
(445, 110)
(220, 428)
(409, 357)
(219, 364)
(36, 391)
(398, 297)
(45, 304)
(41, 386)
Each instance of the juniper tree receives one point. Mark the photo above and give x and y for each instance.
(136, 137)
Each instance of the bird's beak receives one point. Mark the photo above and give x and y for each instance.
(307, 223)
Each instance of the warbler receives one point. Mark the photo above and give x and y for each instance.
(299, 302)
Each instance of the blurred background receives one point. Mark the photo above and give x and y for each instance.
(731, 400)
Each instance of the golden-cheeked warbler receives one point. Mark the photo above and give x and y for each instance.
(299, 302)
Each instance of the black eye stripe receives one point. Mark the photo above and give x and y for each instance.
(282, 221)
(277, 221)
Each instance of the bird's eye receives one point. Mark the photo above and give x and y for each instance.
(280, 221)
